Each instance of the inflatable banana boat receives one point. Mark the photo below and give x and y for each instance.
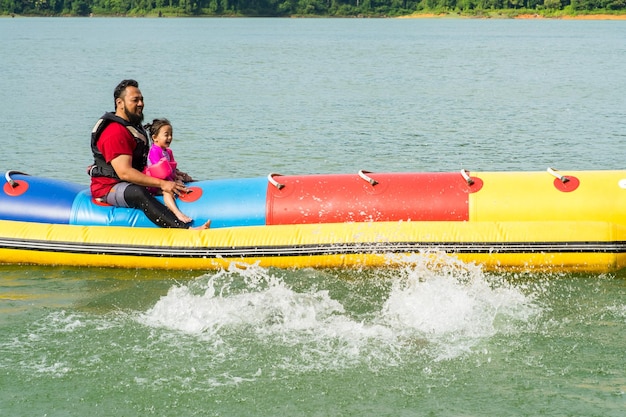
(574, 221)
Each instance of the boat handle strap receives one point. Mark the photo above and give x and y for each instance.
(363, 174)
(10, 180)
(555, 174)
(466, 177)
(275, 183)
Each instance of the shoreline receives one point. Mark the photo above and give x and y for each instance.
(503, 14)
(520, 16)
(571, 17)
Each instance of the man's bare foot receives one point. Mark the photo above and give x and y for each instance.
(204, 226)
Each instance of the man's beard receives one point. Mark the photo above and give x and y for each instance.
(134, 119)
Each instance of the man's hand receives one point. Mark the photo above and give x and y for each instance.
(123, 167)
(173, 187)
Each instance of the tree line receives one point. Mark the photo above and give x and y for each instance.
(278, 8)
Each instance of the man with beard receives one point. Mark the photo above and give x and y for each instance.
(120, 146)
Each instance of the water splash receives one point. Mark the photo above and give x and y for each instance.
(247, 296)
(442, 312)
(454, 306)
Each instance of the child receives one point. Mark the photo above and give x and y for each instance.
(161, 163)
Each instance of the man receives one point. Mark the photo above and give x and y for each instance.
(120, 145)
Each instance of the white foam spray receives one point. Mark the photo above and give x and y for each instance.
(442, 312)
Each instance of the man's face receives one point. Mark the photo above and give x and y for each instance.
(130, 105)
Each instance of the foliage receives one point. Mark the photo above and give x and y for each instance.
(305, 7)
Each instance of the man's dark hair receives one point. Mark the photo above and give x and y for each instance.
(119, 90)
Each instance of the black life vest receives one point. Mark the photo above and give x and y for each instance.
(100, 167)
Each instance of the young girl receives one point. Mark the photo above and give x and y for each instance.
(161, 162)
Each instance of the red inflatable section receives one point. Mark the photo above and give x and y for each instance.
(368, 198)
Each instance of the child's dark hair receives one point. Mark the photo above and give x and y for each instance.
(156, 125)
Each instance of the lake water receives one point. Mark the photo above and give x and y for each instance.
(253, 96)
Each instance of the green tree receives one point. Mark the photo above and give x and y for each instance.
(80, 8)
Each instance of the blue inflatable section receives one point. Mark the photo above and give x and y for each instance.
(40, 200)
(227, 203)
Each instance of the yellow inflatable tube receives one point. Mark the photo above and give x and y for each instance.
(539, 196)
(568, 246)
(503, 221)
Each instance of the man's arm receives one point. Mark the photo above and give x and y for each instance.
(122, 164)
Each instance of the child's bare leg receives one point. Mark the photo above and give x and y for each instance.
(171, 204)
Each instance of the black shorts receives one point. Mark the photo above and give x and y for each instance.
(126, 194)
